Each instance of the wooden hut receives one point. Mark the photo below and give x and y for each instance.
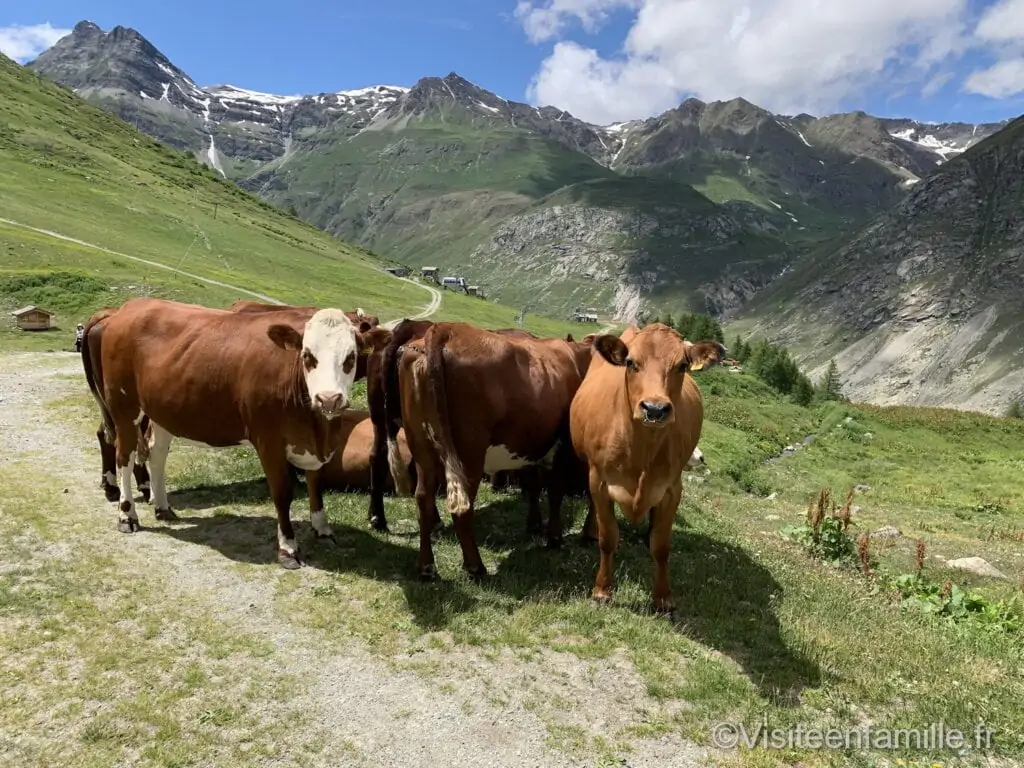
(32, 318)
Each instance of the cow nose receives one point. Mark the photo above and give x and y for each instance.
(330, 402)
(655, 411)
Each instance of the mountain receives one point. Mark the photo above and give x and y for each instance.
(923, 305)
(698, 208)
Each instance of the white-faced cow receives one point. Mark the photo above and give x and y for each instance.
(636, 420)
(277, 380)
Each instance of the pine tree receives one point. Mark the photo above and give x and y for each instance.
(803, 391)
(831, 385)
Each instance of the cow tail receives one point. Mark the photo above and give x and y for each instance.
(393, 415)
(94, 373)
(454, 473)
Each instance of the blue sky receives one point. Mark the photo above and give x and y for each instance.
(603, 60)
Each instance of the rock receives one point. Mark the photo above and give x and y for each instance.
(772, 496)
(772, 517)
(861, 488)
(848, 419)
(887, 532)
(868, 435)
(977, 566)
(856, 509)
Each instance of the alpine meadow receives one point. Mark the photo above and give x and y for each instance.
(847, 557)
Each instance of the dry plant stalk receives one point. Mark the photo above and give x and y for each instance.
(816, 512)
(919, 556)
(864, 554)
(845, 512)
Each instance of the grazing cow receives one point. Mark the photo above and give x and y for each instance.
(275, 380)
(91, 344)
(635, 421)
(476, 401)
(349, 469)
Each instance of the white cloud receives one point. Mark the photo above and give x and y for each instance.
(23, 43)
(1002, 28)
(786, 55)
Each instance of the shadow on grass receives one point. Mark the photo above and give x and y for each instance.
(725, 599)
(202, 497)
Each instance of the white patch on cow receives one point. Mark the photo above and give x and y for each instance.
(123, 392)
(319, 521)
(138, 420)
(288, 545)
(330, 337)
(125, 484)
(110, 478)
(303, 460)
(696, 459)
(159, 447)
(498, 458)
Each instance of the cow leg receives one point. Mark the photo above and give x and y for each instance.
(317, 516)
(379, 471)
(108, 467)
(661, 541)
(530, 484)
(160, 447)
(281, 491)
(427, 482)
(125, 447)
(142, 480)
(607, 537)
(588, 534)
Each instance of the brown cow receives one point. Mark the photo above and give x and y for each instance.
(349, 469)
(91, 344)
(635, 421)
(276, 380)
(476, 401)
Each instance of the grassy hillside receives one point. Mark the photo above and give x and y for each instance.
(73, 169)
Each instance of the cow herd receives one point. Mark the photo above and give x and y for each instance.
(615, 419)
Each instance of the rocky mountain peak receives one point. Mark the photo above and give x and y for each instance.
(86, 28)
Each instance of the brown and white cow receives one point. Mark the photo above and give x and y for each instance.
(362, 321)
(636, 420)
(276, 380)
(349, 469)
(91, 344)
(476, 401)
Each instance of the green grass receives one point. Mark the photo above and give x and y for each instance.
(762, 630)
(69, 167)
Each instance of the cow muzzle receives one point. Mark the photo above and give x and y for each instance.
(330, 404)
(656, 413)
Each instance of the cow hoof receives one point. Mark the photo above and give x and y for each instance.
(379, 523)
(556, 542)
(112, 493)
(327, 537)
(146, 494)
(428, 572)
(601, 596)
(165, 514)
(477, 575)
(664, 607)
(131, 525)
(289, 560)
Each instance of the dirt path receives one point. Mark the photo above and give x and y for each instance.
(428, 310)
(360, 710)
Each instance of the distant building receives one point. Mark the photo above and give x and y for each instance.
(32, 318)
(473, 290)
(584, 317)
(429, 272)
(398, 271)
(454, 282)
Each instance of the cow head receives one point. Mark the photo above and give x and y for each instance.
(656, 359)
(362, 321)
(328, 348)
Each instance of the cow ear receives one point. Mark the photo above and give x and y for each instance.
(569, 338)
(375, 340)
(704, 354)
(364, 326)
(285, 337)
(611, 349)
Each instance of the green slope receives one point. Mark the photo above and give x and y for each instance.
(71, 168)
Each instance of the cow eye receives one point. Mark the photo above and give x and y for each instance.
(631, 365)
(308, 360)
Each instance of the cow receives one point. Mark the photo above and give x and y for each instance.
(92, 340)
(276, 380)
(349, 469)
(476, 401)
(635, 421)
(361, 320)
(384, 400)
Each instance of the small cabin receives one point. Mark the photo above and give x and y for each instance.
(429, 272)
(473, 290)
(398, 271)
(32, 318)
(584, 317)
